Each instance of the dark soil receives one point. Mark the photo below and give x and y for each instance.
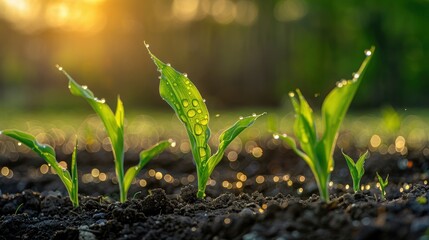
(170, 210)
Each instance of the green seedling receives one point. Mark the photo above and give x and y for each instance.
(317, 151)
(383, 185)
(69, 179)
(185, 99)
(356, 169)
(114, 125)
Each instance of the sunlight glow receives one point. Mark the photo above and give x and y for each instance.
(31, 15)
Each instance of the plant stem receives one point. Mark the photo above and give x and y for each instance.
(202, 183)
(323, 188)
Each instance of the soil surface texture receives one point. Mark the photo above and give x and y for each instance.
(273, 197)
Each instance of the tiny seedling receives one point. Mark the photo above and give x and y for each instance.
(383, 185)
(114, 125)
(185, 99)
(69, 179)
(356, 169)
(318, 152)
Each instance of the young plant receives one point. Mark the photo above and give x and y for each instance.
(185, 99)
(114, 125)
(383, 185)
(69, 179)
(356, 169)
(317, 151)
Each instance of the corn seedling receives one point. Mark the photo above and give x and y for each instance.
(69, 179)
(114, 125)
(185, 99)
(383, 185)
(356, 169)
(316, 151)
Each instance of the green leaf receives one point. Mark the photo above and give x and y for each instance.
(74, 179)
(44, 151)
(228, 136)
(185, 99)
(113, 123)
(352, 167)
(318, 153)
(360, 164)
(182, 95)
(335, 106)
(145, 157)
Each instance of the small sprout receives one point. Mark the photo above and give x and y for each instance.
(46, 152)
(190, 107)
(317, 151)
(114, 125)
(356, 169)
(19, 207)
(383, 185)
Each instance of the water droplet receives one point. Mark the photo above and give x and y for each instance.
(202, 152)
(1, 132)
(355, 75)
(195, 102)
(84, 87)
(185, 103)
(241, 118)
(276, 136)
(19, 143)
(198, 129)
(204, 121)
(172, 142)
(339, 84)
(185, 75)
(136, 168)
(159, 77)
(147, 45)
(69, 86)
(253, 114)
(291, 94)
(102, 100)
(204, 100)
(199, 111)
(191, 113)
(368, 52)
(217, 115)
(284, 135)
(59, 67)
(168, 64)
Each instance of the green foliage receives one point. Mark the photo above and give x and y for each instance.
(114, 125)
(383, 185)
(318, 152)
(46, 152)
(185, 99)
(356, 169)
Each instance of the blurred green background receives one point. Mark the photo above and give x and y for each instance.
(240, 53)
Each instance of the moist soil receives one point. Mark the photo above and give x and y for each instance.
(37, 207)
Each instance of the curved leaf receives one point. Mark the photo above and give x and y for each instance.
(145, 157)
(185, 99)
(228, 136)
(44, 151)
